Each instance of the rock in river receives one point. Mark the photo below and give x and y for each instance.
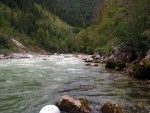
(142, 69)
(111, 108)
(72, 105)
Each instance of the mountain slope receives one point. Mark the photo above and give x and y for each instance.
(120, 24)
(33, 27)
(82, 9)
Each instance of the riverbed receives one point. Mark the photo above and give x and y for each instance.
(26, 85)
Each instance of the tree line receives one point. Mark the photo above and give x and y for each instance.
(33, 25)
(123, 24)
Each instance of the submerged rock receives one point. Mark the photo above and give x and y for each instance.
(111, 108)
(72, 105)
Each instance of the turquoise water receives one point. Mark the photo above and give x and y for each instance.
(26, 85)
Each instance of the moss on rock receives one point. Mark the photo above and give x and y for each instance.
(71, 105)
(111, 108)
(117, 66)
(141, 69)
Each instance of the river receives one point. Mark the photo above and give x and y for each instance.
(26, 85)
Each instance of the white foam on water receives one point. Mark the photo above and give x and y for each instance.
(72, 69)
(8, 81)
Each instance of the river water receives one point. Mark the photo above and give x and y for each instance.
(26, 85)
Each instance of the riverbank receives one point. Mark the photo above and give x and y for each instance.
(31, 55)
(23, 55)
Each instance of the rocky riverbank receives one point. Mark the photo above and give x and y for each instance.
(16, 56)
(129, 63)
(68, 104)
(22, 55)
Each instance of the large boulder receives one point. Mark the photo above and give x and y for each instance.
(123, 56)
(117, 66)
(119, 58)
(72, 105)
(111, 108)
(141, 69)
(89, 60)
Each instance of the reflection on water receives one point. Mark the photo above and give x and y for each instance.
(26, 85)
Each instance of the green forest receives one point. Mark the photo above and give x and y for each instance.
(75, 26)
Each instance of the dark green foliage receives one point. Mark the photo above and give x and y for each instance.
(135, 23)
(80, 11)
(30, 24)
(6, 45)
(119, 23)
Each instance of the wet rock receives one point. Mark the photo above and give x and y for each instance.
(72, 105)
(97, 58)
(92, 64)
(117, 66)
(141, 69)
(117, 61)
(123, 56)
(89, 60)
(2, 56)
(83, 57)
(148, 55)
(104, 58)
(95, 108)
(111, 108)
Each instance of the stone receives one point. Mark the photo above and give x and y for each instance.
(117, 66)
(2, 56)
(96, 60)
(118, 60)
(89, 60)
(148, 55)
(72, 105)
(123, 56)
(141, 69)
(111, 108)
(92, 64)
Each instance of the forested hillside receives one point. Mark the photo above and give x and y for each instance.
(65, 25)
(123, 24)
(81, 9)
(33, 26)
(42, 24)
